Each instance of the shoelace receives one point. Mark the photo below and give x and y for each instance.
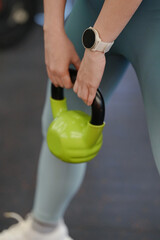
(13, 229)
(13, 215)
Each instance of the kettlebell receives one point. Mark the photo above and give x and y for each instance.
(74, 136)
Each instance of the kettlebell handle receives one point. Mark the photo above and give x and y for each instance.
(98, 106)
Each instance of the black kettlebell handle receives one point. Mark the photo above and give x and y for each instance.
(98, 106)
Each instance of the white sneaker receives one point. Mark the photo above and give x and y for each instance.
(23, 230)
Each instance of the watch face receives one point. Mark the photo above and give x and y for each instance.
(88, 38)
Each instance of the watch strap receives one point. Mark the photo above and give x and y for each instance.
(103, 46)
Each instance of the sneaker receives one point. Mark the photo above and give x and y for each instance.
(24, 230)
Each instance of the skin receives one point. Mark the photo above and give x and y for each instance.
(113, 17)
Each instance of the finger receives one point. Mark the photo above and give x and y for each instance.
(83, 93)
(85, 90)
(75, 88)
(51, 78)
(59, 82)
(76, 61)
(91, 96)
(59, 79)
(79, 92)
(67, 81)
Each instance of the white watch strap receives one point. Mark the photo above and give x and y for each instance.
(103, 46)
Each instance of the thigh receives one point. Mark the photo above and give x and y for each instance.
(145, 58)
(148, 73)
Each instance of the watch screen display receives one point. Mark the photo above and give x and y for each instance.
(89, 38)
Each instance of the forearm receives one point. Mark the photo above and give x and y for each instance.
(54, 15)
(114, 16)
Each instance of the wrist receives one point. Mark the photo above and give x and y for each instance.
(53, 28)
(54, 32)
(94, 55)
(104, 35)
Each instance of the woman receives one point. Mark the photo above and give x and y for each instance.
(133, 26)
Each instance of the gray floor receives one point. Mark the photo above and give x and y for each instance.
(120, 197)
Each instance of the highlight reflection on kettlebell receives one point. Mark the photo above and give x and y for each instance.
(74, 136)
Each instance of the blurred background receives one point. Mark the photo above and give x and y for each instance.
(120, 196)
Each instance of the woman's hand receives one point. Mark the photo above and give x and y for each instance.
(89, 75)
(59, 54)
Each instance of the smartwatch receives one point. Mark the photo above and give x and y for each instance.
(92, 41)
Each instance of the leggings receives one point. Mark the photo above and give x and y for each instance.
(138, 44)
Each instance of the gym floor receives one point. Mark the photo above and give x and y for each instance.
(120, 196)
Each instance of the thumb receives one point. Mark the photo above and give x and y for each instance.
(76, 61)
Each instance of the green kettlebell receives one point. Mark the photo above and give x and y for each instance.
(74, 136)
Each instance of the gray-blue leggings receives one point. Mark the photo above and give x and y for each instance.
(138, 44)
